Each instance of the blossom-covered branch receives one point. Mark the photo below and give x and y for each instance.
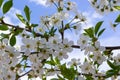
(38, 34)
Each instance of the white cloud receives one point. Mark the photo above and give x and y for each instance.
(39, 2)
(110, 41)
(11, 17)
(91, 18)
(7, 19)
(13, 11)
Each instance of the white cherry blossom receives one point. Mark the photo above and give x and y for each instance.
(117, 58)
(74, 62)
(86, 67)
(80, 78)
(61, 54)
(83, 41)
(28, 45)
(89, 49)
(77, 28)
(71, 6)
(98, 47)
(98, 57)
(67, 45)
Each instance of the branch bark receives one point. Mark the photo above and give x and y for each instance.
(107, 47)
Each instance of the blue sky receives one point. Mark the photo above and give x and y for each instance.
(38, 8)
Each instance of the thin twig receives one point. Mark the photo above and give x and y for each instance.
(107, 47)
(25, 73)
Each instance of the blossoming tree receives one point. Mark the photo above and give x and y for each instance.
(44, 46)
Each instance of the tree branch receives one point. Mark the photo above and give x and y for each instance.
(25, 73)
(107, 47)
(38, 34)
(19, 28)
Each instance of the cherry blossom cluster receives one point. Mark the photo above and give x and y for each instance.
(64, 10)
(94, 52)
(43, 49)
(9, 61)
(45, 54)
(104, 6)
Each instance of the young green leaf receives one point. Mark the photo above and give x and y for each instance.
(111, 64)
(97, 27)
(7, 6)
(21, 18)
(12, 40)
(4, 35)
(89, 32)
(27, 12)
(50, 63)
(68, 73)
(18, 31)
(34, 25)
(118, 19)
(117, 7)
(111, 72)
(4, 27)
(54, 79)
(1, 1)
(101, 32)
(57, 61)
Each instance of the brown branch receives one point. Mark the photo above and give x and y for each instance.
(113, 47)
(107, 47)
(25, 74)
(19, 28)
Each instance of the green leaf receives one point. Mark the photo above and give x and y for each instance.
(4, 35)
(18, 31)
(89, 78)
(97, 27)
(27, 12)
(1, 1)
(34, 25)
(101, 32)
(111, 72)
(50, 63)
(68, 73)
(12, 40)
(118, 19)
(4, 27)
(52, 31)
(7, 6)
(57, 61)
(111, 64)
(54, 79)
(21, 18)
(117, 7)
(89, 32)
